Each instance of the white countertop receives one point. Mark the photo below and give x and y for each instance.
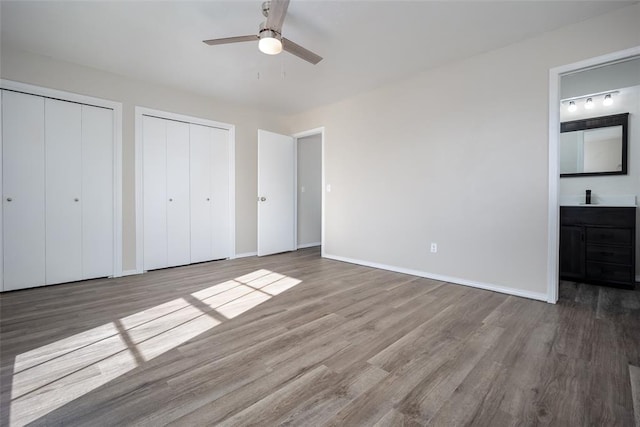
(599, 201)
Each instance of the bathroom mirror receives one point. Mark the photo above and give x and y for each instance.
(594, 146)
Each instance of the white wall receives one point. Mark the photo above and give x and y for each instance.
(599, 79)
(458, 156)
(43, 71)
(615, 185)
(309, 190)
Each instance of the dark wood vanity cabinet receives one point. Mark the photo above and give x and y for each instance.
(598, 244)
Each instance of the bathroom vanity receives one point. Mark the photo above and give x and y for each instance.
(598, 244)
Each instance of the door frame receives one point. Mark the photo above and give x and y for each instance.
(144, 111)
(296, 137)
(555, 74)
(117, 158)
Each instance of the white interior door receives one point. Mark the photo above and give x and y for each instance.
(220, 221)
(276, 191)
(178, 235)
(154, 171)
(97, 192)
(63, 160)
(23, 190)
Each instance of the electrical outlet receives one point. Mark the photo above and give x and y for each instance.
(434, 248)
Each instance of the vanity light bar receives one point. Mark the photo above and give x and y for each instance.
(606, 94)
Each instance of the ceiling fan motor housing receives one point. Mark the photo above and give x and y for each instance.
(264, 32)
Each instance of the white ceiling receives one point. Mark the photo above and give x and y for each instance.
(364, 43)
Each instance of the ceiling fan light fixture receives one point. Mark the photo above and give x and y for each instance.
(270, 42)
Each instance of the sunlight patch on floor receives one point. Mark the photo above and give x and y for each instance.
(55, 374)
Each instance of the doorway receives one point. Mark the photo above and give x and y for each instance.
(555, 77)
(290, 191)
(309, 191)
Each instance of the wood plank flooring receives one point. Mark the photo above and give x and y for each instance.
(297, 340)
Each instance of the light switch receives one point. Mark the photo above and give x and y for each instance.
(328, 188)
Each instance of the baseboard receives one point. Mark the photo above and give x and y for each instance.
(309, 245)
(456, 280)
(130, 272)
(634, 376)
(246, 254)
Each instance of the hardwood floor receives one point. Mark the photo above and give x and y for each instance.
(294, 339)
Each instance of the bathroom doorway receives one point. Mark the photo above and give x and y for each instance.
(570, 88)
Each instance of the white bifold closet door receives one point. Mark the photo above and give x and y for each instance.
(63, 154)
(185, 194)
(200, 182)
(209, 176)
(97, 192)
(166, 193)
(79, 191)
(220, 188)
(178, 244)
(23, 196)
(57, 191)
(154, 169)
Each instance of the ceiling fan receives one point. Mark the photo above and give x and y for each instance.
(269, 34)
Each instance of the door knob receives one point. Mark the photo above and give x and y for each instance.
(171, 200)
(208, 199)
(9, 199)
(76, 200)
(263, 199)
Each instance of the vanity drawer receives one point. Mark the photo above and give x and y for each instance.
(609, 272)
(618, 236)
(615, 254)
(623, 217)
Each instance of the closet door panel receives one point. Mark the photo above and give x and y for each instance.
(63, 171)
(23, 189)
(97, 192)
(220, 221)
(155, 192)
(178, 235)
(200, 179)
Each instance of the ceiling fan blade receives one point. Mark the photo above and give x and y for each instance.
(277, 12)
(300, 52)
(228, 40)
